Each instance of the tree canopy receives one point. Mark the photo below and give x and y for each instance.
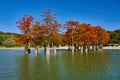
(47, 32)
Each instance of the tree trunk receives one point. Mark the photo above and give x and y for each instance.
(100, 47)
(69, 48)
(97, 48)
(36, 49)
(81, 49)
(76, 47)
(27, 47)
(54, 49)
(93, 48)
(86, 48)
(73, 48)
(46, 48)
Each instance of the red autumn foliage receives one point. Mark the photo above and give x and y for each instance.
(25, 23)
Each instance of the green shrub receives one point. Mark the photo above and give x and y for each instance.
(9, 43)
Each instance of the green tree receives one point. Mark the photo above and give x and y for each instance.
(3, 37)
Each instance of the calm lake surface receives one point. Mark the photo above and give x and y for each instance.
(15, 65)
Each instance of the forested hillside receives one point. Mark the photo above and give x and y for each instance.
(7, 39)
(114, 36)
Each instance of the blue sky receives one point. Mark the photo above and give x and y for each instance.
(105, 13)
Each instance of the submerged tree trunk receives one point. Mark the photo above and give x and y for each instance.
(69, 48)
(76, 47)
(54, 49)
(46, 48)
(93, 48)
(100, 47)
(36, 49)
(97, 48)
(72, 48)
(81, 49)
(27, 47)
(86, 48)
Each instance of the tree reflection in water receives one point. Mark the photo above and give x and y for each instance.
(64, 66)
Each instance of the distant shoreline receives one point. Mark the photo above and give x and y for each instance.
(11, 48)
(65, 48)
(110, 47)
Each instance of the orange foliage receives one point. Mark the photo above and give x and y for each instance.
(85, 34)
(25, 23)
(48, 31)
(50, 27)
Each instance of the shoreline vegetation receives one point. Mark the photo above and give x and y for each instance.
(63, 48)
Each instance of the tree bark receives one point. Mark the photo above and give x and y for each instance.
(54, 49)
(100, 47)
(73, 48)
(81, 49)
(69, 48)
(86, 48)
(27, 47)
(97, 48)
(46, 48)
(93, 48)
(36, 49)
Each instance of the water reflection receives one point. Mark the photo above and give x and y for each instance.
(24, 68)
(86, 66)
(47, 57)
(64, 66)
(36, 67)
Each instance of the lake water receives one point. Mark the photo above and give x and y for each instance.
(15, 65)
